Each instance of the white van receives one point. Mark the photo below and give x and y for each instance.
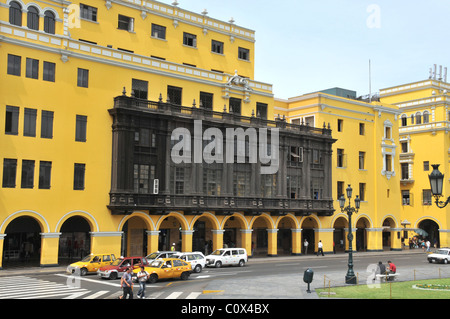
(196, 259)
(227, 256)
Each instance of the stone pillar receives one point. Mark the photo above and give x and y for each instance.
(217, 238)
(374, 239)
(152, 240)
(246, 238)
(272, 249)
(396, 239)
(186, 240)
(296, 241)
(106, 242)
(326, 236)
(49, 249)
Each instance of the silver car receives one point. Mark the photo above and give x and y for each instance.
(442, 255)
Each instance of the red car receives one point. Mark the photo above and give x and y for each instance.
(119, 267)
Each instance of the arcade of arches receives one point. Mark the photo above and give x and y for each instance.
(27, 238)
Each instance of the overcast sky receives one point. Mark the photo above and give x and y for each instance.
(305, 46)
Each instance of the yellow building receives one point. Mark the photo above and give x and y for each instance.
(365, 156)
(423, 141)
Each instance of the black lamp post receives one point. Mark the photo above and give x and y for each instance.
(436, 182)
(350, 278)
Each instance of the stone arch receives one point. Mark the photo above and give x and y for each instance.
(87, 216)
(45, 227)
(339, 224)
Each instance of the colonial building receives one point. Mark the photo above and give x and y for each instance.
(92, 94)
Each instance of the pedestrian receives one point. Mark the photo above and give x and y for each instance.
(320, 248)
(305, 244)
(428, 244)
(126, 283)
(173, 247)
(381, 270)
(334, 248)
(142, 277)
(392, 269)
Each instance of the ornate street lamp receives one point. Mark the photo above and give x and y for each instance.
(350, 278)
(436, 182)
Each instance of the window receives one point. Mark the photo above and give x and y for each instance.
(88, 12)
(32, 68)
(362, 159)
(235, 105)
(49, 22)
(206, 100)
(29, 122)
(340, 189)
(362, 191)
(189, 39)
(418, 118)
(45, 169)
(83, 78)
(139, 89)
(340, 157)
(388, 132)
(426, 166)
(179, 180)
(174, 95)
(126, 23)
(261, 110)
(388, 163)
(27, 174)
(296, 154)
(404, 147)
(340, 124)
(80, 129)
(33, 18)
(426, 117)
(49, 71)
(404, 120)
(79, 176)
(15, 13)
(406, 197)
(362, 129)
(217, 46)
(426, 197)
(244, 54)
(144, 176)
(12, 120)
(309, 121)
(405, 171)
(158, 31)
(9, 173)
(47, 124)
(14, 62)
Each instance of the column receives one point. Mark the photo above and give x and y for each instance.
(444, 238)
(217, 238)
(106, 242)
(272, 249)
(326, 236)
(374, 239)
(152, 240)
(396, 239)
(186, 240)
(49, 249)
(296, 241)
(2, 239)
(246, 237)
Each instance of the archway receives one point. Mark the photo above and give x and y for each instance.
(361, 239)
(75, 240)
(432, 228)
(22, 243)
(284, 239)
(202, 238)
(170, 233)
(308, 225)
(232, 231)
(388, 225)
(339, 238)
(134, 238)
(260, 236)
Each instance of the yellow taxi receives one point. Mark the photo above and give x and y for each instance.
(90, 264)
(165, 268)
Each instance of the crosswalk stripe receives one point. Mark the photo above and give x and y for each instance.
(174, 295)
(97, 294)
(193, 295)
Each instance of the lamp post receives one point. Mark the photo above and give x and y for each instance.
(350, 277)
(436, 182)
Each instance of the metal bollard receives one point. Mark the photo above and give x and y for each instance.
(308, 278)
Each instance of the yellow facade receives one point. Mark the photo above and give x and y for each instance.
(119, 45)
(424, 141)
(367, 137)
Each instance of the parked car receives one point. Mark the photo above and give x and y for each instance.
(119, 266)
(90, 264)
(160, 254)
(442, 255)
(227, 256)
(165, 268)
(196, 259)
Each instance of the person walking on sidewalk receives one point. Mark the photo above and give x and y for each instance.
(305, 244)
(320, 248)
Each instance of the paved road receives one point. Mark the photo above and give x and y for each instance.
(262, 278)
